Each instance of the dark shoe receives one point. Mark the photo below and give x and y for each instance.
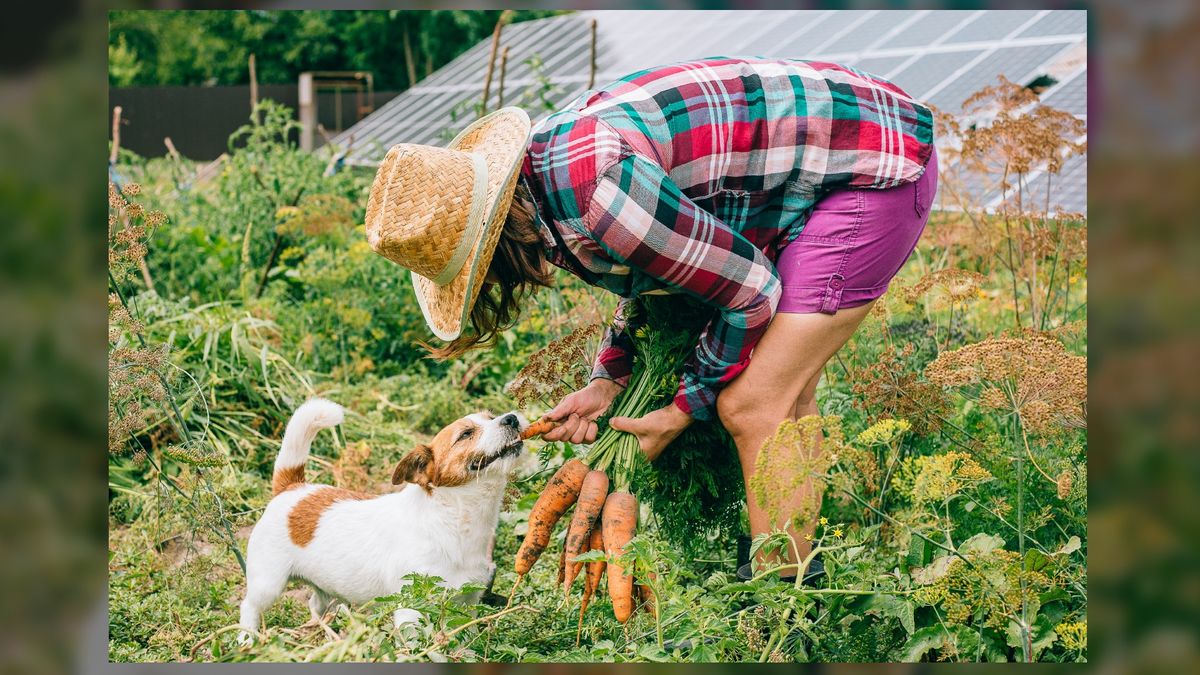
(816, 570)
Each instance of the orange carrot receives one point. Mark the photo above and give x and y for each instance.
(587, 512)
(560, 493)
(595, 570)
(618, 524)
(537, 429)
(647, 596)
(562, 565)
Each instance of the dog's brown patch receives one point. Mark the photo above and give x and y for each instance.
(303, 519)
(284, 479)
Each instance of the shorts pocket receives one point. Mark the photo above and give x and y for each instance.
(835, 220)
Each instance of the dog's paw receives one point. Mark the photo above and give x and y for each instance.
(245, 638)
(403, 616)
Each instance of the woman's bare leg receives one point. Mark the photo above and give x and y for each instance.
(780, 383)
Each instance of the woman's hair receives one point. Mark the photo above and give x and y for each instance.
(518, 266)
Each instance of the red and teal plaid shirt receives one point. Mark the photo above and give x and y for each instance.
(692, 177)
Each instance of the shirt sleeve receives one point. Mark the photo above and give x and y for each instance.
(639, 216)
(614, 360)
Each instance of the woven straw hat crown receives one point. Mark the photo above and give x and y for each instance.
(439, 212)
(426, 203)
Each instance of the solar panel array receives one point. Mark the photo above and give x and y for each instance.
(938, 56)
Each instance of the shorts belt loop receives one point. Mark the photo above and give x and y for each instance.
(832, 298)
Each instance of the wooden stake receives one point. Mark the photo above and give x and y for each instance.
(592, 74)
(253, 89)
(487, 82)
(171, 148)
(503, 66)
(409, 62)
(116, 135)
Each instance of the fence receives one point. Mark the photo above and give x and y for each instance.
(199, 120)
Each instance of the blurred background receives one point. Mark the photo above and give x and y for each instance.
(1142, 203)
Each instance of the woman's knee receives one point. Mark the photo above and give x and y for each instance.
(742, 414)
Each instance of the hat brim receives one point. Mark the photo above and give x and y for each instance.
(501, 138)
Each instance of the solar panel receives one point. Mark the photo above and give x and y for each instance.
(941, 56)
(922, 75)
(932, 27)
(1068, 188)
(870, 30)
(1067, 22)
(993, 25)
(880, 66)
(1015, 63)
(1070, 95)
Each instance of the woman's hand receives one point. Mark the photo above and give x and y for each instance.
(654, 430)
(578, 412)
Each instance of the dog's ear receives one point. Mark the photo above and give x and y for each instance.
(414, 467)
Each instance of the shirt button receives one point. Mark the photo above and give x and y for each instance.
(836, 284)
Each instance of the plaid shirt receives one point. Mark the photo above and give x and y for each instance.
(692, 177)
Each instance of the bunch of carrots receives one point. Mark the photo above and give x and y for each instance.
(603, 520)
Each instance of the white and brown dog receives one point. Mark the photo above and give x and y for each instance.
(353, 546)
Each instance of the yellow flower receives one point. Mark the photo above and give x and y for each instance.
(884, 432)
(982, 293)
(808, 537)
(837, 531)
(823, 520)
(1073, 635)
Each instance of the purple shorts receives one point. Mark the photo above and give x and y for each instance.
(854, 242)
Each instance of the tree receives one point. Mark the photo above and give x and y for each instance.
(148, 48)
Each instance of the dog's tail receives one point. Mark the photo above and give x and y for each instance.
(314, 415)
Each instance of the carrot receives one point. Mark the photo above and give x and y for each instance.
(647, 596)
(560, 493)
(587, 512)
(618, 524)
(595, 570)
(562, 565)
(537, 429)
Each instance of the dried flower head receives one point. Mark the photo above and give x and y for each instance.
(1035, 378)
(886, 387)
(557, 369)
(956, 285)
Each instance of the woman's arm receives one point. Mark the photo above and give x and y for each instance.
(641, 218)
(614, 359)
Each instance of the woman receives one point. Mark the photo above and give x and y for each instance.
(785, 193)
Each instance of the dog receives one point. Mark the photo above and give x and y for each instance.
(353, 546)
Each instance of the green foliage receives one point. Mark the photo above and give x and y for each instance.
(160, 47)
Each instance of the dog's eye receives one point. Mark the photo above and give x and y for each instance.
(466, 434)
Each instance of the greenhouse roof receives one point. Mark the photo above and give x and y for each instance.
(938, 56)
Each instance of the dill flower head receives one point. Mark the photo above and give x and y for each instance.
(798, 452)
(886, 387)
(1035, 378)
(954, 284)
(557, 369)
(932, 479)
(991, 591)
(1072, 635)
(884, 432)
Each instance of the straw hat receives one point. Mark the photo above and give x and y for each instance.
(439, 211)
